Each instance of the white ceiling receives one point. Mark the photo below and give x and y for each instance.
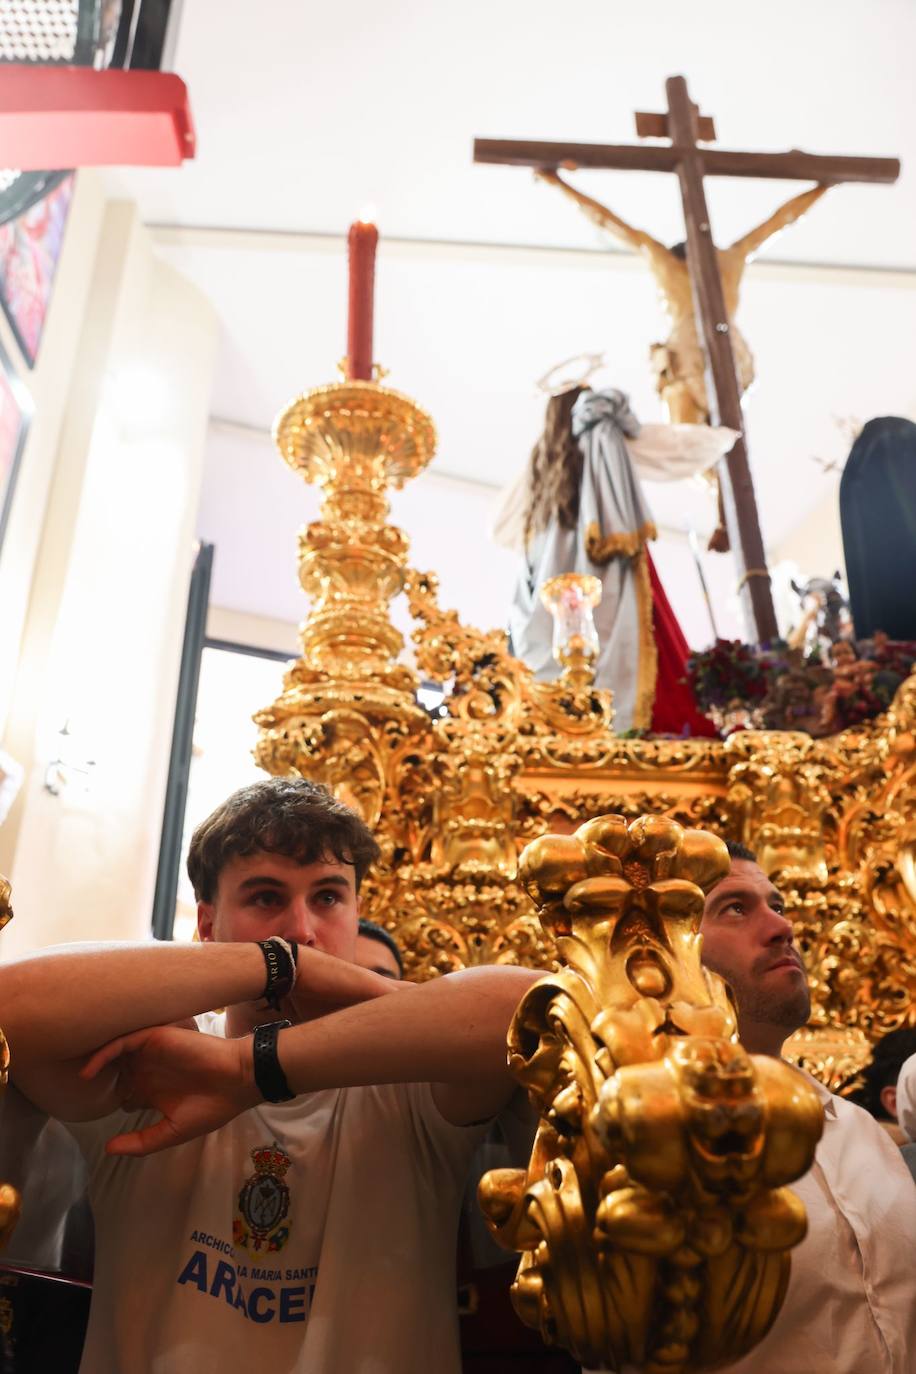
(310, 111)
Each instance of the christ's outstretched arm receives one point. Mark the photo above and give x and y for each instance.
(604, 218)
(786, 214)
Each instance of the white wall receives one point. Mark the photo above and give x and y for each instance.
(102, 638)
(47, 385)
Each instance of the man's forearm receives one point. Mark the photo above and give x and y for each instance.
(67, 1002)
(448, 1030)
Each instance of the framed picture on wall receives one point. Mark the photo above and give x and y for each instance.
(15, 414)
(30, 248)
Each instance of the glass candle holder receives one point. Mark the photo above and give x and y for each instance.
(571, 598)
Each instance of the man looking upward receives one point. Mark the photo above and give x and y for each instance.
(851, 1302)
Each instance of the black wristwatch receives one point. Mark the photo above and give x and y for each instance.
(268, 1075)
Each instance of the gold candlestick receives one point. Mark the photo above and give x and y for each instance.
(348, 705)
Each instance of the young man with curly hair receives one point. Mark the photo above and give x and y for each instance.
(305, 1217)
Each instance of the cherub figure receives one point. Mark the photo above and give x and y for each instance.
(850, 697)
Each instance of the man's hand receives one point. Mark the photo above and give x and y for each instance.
(196, 1082)
(325, 984)
(450, 1032)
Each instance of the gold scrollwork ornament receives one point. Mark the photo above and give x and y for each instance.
(654, 1219)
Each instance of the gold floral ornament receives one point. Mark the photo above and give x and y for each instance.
(10, 1201)
(653, 1218)
(6, 909)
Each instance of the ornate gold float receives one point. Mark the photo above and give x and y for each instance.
(454, 796)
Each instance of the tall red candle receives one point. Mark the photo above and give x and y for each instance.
(362, 241)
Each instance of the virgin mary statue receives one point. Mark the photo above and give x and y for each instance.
(580, 508)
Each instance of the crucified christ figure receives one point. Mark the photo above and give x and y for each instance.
(679, 363)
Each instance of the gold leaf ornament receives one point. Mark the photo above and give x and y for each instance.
(654, 1219)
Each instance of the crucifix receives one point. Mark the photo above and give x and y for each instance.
(686, 128)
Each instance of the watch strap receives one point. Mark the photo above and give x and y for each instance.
(268, 1075)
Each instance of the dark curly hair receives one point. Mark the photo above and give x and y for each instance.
(372, 931)
(737, 850)
(298, 819)
(555, 469)
(888, 1057)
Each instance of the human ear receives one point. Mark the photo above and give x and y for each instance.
(205, 916)
(889, 1100)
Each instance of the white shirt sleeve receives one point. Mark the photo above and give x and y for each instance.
(906, 1098)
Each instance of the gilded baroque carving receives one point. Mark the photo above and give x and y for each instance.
(777, 798)
(653, 1218)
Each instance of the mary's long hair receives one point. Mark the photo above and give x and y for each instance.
(555, 469)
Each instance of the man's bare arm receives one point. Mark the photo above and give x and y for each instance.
(58, 1007)
(450, 1032)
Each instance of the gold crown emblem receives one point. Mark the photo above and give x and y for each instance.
(270, 1160)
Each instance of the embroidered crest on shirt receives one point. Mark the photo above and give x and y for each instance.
(260, 1225)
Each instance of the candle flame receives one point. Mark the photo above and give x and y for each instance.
(369, 214)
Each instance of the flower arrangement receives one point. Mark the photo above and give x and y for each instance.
(774, 687)
(729, 681)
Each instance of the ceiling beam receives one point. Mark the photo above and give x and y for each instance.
(226, 239)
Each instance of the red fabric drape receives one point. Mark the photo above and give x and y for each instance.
(674, 706)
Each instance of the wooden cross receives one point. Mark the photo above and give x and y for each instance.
(683, 125)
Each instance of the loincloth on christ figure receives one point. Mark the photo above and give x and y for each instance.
(679, 366)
